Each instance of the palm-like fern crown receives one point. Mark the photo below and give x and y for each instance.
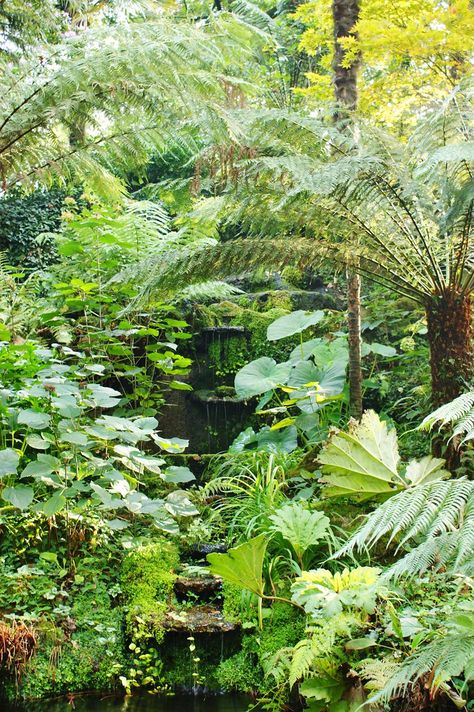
(403, 209)
(458, 413)
(131, 86)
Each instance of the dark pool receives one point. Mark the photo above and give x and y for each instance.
(141, 703)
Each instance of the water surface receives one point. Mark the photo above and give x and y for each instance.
(140, 703)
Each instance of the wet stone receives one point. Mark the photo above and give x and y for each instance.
(202, 586)
(198, 619)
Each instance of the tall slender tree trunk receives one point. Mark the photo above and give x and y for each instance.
(450, 336)
(345, 14)
(354, 343)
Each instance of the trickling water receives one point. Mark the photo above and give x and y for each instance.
(208, 417)
(139, 703)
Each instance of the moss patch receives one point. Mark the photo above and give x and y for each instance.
(148, 576)
(85, 653)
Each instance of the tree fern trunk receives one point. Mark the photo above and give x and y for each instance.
(355, 356)
(345, 14)
(450, 335)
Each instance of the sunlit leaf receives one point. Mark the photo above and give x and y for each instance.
(9, 461)
(19, 496)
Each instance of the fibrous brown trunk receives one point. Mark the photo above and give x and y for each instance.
(450, 335)
(345, 14)
(355, 356)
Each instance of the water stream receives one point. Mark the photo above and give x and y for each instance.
(139, 703)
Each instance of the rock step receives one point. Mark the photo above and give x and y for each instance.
(198, 619)
(202, 586)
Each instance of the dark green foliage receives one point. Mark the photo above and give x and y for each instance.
(227, 356)
(25, 216)
(255, 322)
(178, 664)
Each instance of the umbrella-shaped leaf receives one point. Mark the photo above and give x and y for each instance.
(179, 505)
(329, 381)
(322, 351)
(363, 462)
(379, 349)
(37, 442)
(53, 505)
(260, 376)
(293, 323)
(276, 441)
(33, 419)
(177, 474)
(9, 460)
(116, 524)
(299, 526)
(428, 469)
(173, 445)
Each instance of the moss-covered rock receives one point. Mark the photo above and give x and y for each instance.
(148, 576)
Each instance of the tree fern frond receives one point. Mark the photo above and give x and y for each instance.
(161, 71)
(212, 290)
(176, 269)
(459, 412)
(435, 522)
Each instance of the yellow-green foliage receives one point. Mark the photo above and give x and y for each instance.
(148, 575)
(411, 50)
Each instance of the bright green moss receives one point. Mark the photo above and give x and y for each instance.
(148, 576)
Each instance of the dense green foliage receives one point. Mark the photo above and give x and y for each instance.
(176, 218)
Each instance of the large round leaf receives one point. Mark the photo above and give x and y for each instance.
(33, 419)
(330, 381)
(293, 323)
(323, 352)
(276, 441)
(9, 460)
(260, 376)
(20, 496)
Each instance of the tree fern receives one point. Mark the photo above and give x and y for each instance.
(431, 525)
(375, 192)
(163, 72)
(459, 412)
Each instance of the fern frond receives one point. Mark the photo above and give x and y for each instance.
(301, 660)
(458, 412)
(447, 656)
(212, 290)
(434, 522)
